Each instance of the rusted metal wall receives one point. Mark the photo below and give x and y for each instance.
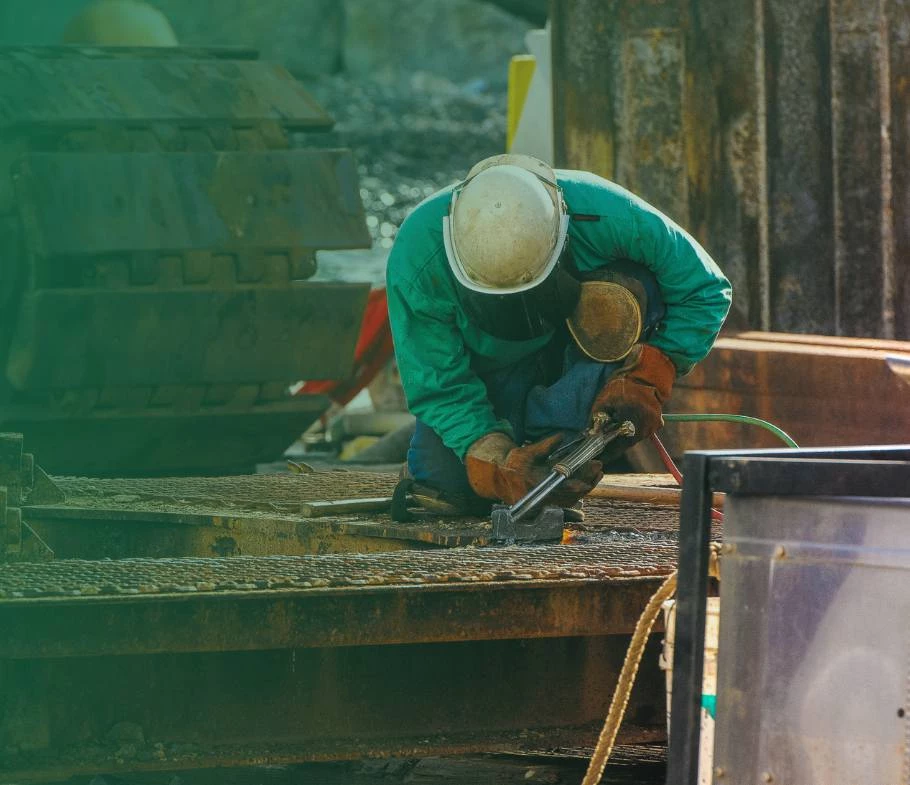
(217, 662)
(775, 131)
(820, 390)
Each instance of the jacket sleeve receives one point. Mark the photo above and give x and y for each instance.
(442, 389)
(697, 295)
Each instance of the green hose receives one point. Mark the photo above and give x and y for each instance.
(737, 418)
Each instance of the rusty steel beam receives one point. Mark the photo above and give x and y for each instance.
(149, 664)
(122, 714)
(829, 391)
(618, 82)
(584, 133)
(140, 606)
(295, 619)
(254, 515)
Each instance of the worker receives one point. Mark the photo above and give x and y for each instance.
(524, 301)
(119, 23)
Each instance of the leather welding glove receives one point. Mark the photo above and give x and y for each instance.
(499, 469)
(636, 391)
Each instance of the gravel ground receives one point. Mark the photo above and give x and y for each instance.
(410, 138)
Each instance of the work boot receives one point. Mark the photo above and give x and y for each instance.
(410, 496)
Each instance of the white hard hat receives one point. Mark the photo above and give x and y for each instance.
(506, 225)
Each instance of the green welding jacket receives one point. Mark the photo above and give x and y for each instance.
(440, 353)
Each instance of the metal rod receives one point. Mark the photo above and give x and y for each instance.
(531, 499)
(590, 448)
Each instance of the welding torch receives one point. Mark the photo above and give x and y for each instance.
(570, 458)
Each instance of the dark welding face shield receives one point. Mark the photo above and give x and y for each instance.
(604, 310)
(522, 316)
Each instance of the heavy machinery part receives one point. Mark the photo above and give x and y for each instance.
(252, 202)
(316, 657)
(133, 92)
(68, 339)
(265, 515)
(162, 224)
(546, 525)
(776, 133)
(202, 436)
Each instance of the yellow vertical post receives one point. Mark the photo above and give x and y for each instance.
(521, 69)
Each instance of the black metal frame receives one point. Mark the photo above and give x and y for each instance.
(879, 471)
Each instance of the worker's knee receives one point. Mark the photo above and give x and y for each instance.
(431, 463)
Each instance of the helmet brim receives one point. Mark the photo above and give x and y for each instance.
(461, 274)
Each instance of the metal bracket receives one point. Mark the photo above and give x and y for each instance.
(19, 478)
(546, 526)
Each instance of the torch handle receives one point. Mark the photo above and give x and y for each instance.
(588, 450)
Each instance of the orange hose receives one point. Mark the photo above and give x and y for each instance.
(716, 515)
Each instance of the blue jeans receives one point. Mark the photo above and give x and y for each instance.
(535, 404)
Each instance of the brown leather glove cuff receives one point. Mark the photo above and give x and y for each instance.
(649, 365)
(637, 391)
(498, 469)
(483, 463)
